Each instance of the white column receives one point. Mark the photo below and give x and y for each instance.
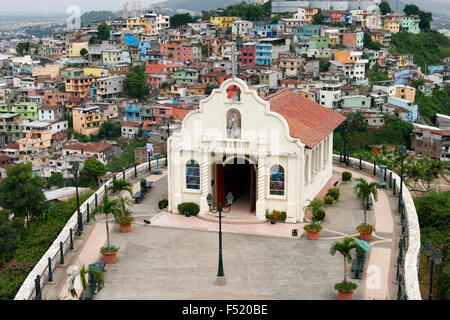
(179, 177)
(261, 183)
(204, 181)
(289, 179)
(322, 154)
(310, 164)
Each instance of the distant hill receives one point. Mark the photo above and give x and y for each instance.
(197, 5)
(95, 16)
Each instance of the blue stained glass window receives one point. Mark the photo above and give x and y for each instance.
(277, 180)
(193, 175)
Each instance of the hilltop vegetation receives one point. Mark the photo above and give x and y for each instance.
(95, 16)
(429, 48)
(439, 102)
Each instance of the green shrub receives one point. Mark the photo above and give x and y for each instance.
(345, 286)
(111, 249)
(346, 176)
(320, 215)
(334, 192)
(328, 199)
(11, 275)
(163, 203)
(190, 207)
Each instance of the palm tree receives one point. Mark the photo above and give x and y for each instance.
(315, 206)
(82, 272)
(363, 191)
(344, 248)
(108, 207)
(118, 186)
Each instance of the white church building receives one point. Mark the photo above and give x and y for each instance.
(271, 154)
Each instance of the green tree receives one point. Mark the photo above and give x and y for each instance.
(324, 64)
(103, 31)
(318, 18)
(209, 89)
(315, 205)
(22, 194)
(56, 179)
(135, 83)
(181, 19)
(23, 48)
(385, 8)
(83, 52)
(425, 20)
(9, 235)
(110, 130)
(363, 190)
(94, 168)
(345, 249)
(411, 9)
(369, 44)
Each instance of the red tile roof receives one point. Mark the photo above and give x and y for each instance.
(88, 146)
(308, 121)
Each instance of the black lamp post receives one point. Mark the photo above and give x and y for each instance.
(75, 168)
(168, 122)
(436, 260)
(345, 130)
(402, 151)
(220, 274)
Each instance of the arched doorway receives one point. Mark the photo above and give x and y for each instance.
(238, 176)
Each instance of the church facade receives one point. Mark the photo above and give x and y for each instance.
(271, 154)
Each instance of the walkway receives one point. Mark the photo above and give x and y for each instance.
(175, 257)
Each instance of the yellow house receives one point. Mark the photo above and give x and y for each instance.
(223, 22)
(392, 26)
(87, 120)
(197, 89)
(95, 72)
(306, 94)
(74, 48)
(405, 93)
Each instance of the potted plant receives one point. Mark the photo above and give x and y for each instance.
(365, 231)
(345, 288)
(81, 272)
(124, 218)
(312, 230)
(363, 191)
(108, 207)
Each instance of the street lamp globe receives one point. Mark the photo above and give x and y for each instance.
(402, 151)
(209, 199)
(428, 248)
(230, 199)
(437, 257)
(75, 167)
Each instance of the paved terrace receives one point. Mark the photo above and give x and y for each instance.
(176, 257)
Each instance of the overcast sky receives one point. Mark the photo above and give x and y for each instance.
(60, 6)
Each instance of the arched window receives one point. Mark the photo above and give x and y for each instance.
(234, 93)
(277, 180)
(192, 175)
(233, 124)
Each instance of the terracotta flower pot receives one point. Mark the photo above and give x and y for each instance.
(365, 236)
(125, 228)
(345, 295)
(109, 258)
(312, 235)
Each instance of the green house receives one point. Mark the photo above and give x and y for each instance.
(186, 76)
(25, 110)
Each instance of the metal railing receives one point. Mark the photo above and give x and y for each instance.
(407, 264)
(42, 273)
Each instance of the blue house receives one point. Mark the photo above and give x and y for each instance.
(413, 109)
(144, 47)
(313, 30)
(266, 30)
(93, 91)
(133, 111)
(263, 54)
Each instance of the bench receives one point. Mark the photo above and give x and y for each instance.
(358, 266)
(336, 183)
(369, 203)
(148, 185)
(138, 197)
(92, 282)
